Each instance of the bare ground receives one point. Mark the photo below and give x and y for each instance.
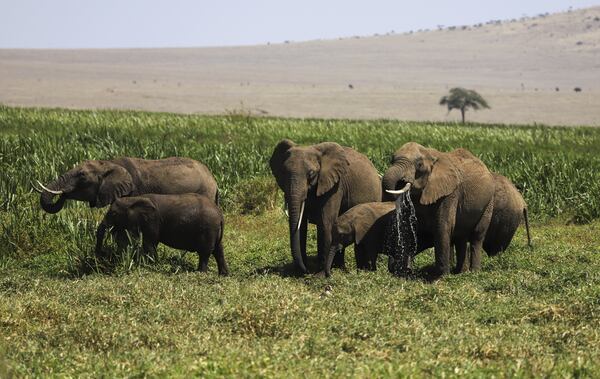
(527, 69)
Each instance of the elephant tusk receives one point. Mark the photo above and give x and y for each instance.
(48, 189)
(301, 214)
(35, 188)
(400, 192)
(285, 209)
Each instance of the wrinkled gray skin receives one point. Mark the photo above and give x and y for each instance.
(509, 209)
(329, 179)
(100, 183)
(453, 195)
(365, 226)
(189, 222)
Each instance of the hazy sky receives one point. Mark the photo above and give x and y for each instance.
(170, 23)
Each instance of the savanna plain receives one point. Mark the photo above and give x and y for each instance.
(527, 313)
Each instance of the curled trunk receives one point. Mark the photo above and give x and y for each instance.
(392, 176)
(47, 199)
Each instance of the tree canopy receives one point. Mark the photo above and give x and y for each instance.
(463, 99)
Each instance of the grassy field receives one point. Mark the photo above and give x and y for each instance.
(527, 313)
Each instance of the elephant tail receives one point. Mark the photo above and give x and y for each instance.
(527, 227)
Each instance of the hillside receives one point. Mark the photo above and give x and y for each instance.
(526, 68)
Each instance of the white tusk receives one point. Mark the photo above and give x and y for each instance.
(301, 214)
(285, 209)
(400, 192)
(35, 188)
(48, 189)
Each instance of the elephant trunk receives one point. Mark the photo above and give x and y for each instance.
(47, 197)
(331, 254)
(100, 237)
(393, 175)
(296, 214)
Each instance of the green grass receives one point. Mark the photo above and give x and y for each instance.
(527, 313)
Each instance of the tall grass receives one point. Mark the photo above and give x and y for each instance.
(526, 314)
(557, 168)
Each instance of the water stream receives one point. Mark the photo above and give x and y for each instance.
(400, 243)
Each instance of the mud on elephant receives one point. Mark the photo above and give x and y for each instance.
(321, 182)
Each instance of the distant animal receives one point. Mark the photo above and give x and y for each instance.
(577, 89)
(321, 182)
(350, 86)
(189, 222)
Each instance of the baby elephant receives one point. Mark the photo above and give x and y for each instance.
(188, 222)
(364, 225)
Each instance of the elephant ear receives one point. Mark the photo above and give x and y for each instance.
(115, 182)
(443, 180)
(334, 165)
(142, 209)
(277, 158)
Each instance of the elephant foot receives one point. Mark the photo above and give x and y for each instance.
(321, 274)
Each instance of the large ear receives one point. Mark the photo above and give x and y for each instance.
(334, 165)
(142, 209)
(277, 158)
(115, 182)
(444, 178)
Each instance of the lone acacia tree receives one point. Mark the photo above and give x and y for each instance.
(463, 99)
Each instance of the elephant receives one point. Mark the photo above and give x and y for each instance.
(453, 195)
(509, 209)
(365, 225)
(188, 222)
(320, 182)
(100, 182)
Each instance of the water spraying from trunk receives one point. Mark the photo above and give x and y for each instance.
(400, 242)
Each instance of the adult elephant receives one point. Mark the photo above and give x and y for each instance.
(321, 182)
(100, 182)
(453, 195)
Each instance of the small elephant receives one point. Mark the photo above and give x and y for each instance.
(188, 222)
(453, 195)
(366, 225)
(320, 182)
(509, 209)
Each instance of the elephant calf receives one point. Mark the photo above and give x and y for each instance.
(365, 225)
(188, 222)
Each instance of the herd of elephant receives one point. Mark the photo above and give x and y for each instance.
(461, 207)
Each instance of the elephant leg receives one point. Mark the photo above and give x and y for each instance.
(303, 236)
(445, 220)
(373, 260)
(203, 261)
(478, 237)
(463, 261)
(220, 257)
(328, 217)
(362, 261)
(339, 260)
